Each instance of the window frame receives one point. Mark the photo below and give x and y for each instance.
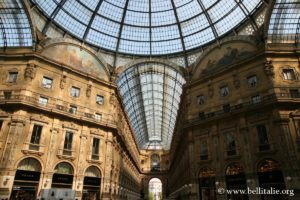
(263, 146)
(68, 143)
(252, 84)
(14, 80)
(224, 88)
(99, 101)
(100, 116)
(200, 99)
(47, 79)
(41, 102)
(34, 132)
(289, 77)
(93, 147)
(256, 99)
(73, 109)
(75, 89)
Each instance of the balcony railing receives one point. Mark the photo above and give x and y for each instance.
(264, 147)
(55, 105)
(33, 148)
(267, 99)
(94, 158)
(66, 153)
(204, 157)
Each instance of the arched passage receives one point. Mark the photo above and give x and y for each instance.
(26, 179)
(155, 189)
(207, 183)
(91, 183)
(270, 176)
(236, 180)
(63, 176)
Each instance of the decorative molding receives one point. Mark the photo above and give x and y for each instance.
(39, 118)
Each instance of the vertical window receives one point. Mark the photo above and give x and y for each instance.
(98, 116)
(252, 80)
(99, 99)
(224, 91)
(294, 93)
(47, 82)
(12, 77)
(68, 143)
(230, 144)
(203, 150)
(75, 91)
(72, 109)
(35, 137)
(95, 148)
(226, 108)
(7, 94)
(200, 99)
(43, 100)
(255, 99)
(263, 140)
(288, 74)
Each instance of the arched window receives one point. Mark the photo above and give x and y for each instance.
(234, 169)
(206, 172)
(64, 168)
(268, 165)
(92, 171)
(155, 162)
(30, 164)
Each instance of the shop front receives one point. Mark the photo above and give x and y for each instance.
(26, 180)
(91, 184)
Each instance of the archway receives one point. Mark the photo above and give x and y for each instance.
(26, 179)
(91, 184)
(236, 180)
(207, 186)
(155, 189)
(63, 176)
(270, 176)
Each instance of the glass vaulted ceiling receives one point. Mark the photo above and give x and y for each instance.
(151, 95)
(148, 27)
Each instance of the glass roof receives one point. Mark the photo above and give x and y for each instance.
(151, 96)
(284, 26)
(147, 27)
(15, 29)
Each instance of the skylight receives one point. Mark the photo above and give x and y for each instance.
(151, 96)
(147, 27)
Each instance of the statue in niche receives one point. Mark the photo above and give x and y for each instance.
(89, 91)
(112, 99)
(30, 72)
(269, 68)
(63, 81)
(210, 90)
(236, 80)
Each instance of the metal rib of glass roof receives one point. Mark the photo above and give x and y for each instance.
(151, 95)
(15, 29)
(147, 27)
